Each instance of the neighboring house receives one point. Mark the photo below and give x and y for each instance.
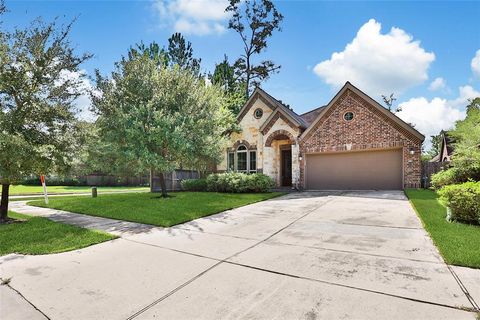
(351, 143)
(445, 148)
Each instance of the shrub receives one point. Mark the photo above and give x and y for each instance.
(443, 178)
(194, 185)
(239, 182)
(54, 181)
(463, 201)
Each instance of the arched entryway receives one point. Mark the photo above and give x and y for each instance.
(283, 149)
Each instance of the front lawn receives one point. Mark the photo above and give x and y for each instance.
(150, 208)
(458, 243)
(16, 190)
(39, 235)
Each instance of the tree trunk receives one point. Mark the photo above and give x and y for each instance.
(151, 179)
(161, 176)
(4, 203)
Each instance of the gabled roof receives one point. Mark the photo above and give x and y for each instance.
(348, 86)
(273, 104)
(311, 115)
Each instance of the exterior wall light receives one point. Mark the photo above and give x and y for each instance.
(412, 151)
(300, 157)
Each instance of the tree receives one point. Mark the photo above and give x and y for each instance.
(180, 53)
(436, 141)
(152, 51)
(224, 77)
(254, 21)
(466, 155)
(389, 102)
(152, 119)
(40, 79)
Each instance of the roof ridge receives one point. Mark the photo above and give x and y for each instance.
(302, 114)
(286, 108)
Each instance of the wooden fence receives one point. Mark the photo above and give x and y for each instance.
(173, 180)
(429, 168)
(106, 180)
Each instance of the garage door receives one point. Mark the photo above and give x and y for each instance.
(372, 170)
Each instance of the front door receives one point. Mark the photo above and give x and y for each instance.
(286, 172)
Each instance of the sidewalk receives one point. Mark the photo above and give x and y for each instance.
(115, 227)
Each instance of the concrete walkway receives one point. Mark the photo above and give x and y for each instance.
(302, 256)
(115, 227)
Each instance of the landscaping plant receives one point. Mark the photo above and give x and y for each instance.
(239, 182)
(194, 185)
(463, 200)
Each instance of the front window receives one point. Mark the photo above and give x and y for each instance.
(231, 161)
(242, 160)
(253, 162)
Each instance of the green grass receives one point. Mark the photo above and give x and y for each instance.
(39, 235)
(150, 208)
(458, 243)
(27, 190)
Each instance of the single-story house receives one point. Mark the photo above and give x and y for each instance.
(352, 143)
(446, 148)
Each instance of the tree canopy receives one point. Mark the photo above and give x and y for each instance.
(254, 21)
(224, 77)
(40, 79)
(156, 118)
(466, 156)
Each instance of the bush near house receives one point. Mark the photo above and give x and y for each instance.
(194, 185)
(239, 182)
(444, 178)
(463, 201)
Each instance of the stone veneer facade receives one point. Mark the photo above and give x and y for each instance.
(370, 130)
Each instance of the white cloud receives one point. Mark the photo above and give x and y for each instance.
(430, 117)
(199, 17)
(378, 63)
(437, 84)
(476, 64)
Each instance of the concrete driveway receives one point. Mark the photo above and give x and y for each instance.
(311, 255)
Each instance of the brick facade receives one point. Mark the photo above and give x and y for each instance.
(369, 130)
(372, 128)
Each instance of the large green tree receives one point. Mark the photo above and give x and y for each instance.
(254, 21)
(153, 118)
(180, 53)
(466, 155)
(224, 77)
(40, 78)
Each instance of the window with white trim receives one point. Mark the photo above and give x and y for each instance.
(242, 156)
(252, 164)
(242, 160)
(231, 161)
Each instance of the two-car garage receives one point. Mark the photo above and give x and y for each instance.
(365, 170)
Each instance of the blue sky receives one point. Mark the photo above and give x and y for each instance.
(431, 40)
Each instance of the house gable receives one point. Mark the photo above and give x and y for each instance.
(375, 108)
(369, 129)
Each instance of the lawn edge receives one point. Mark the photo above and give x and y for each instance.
(277, 194)
(433, 238)
(111, 236)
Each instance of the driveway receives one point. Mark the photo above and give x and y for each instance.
(310, 255)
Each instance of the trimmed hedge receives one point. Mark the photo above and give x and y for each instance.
(239, 182)
(194, 185)
(463, 201)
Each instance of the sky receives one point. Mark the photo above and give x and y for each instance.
(426, 53)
